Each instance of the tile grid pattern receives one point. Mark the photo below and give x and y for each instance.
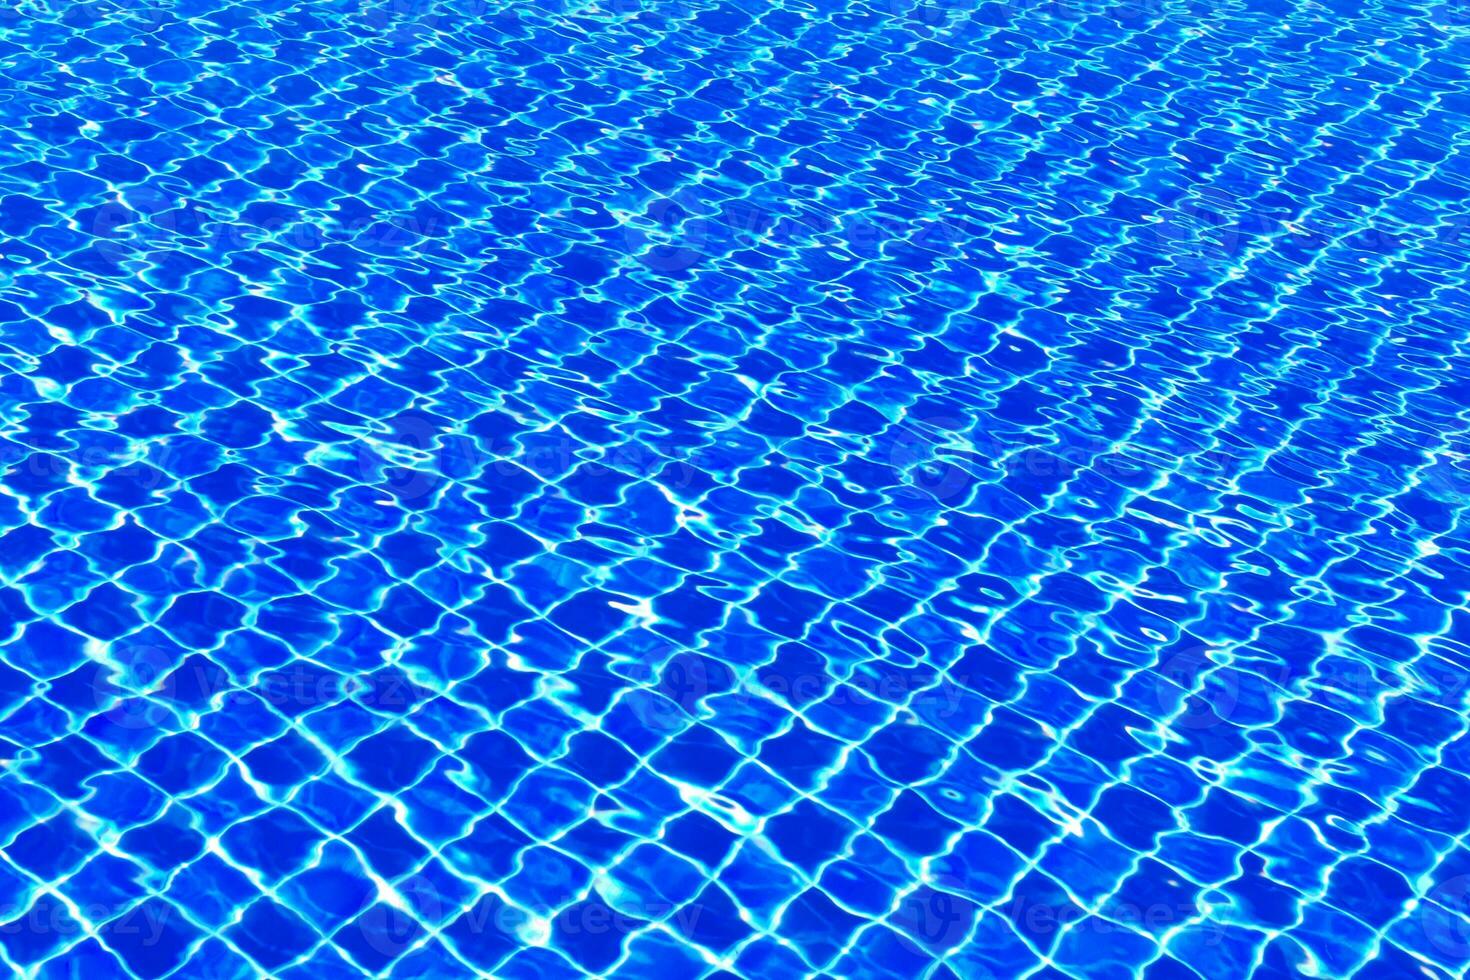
(598, 672)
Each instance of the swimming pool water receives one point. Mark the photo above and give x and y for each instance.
(890, 488)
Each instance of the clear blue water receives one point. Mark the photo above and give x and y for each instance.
(727, 489)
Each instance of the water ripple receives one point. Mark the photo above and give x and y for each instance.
(886, 489)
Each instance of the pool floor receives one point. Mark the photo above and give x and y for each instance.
(703, 488)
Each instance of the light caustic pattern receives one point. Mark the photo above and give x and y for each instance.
(655, 488)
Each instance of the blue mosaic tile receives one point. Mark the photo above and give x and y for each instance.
(878, 489)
